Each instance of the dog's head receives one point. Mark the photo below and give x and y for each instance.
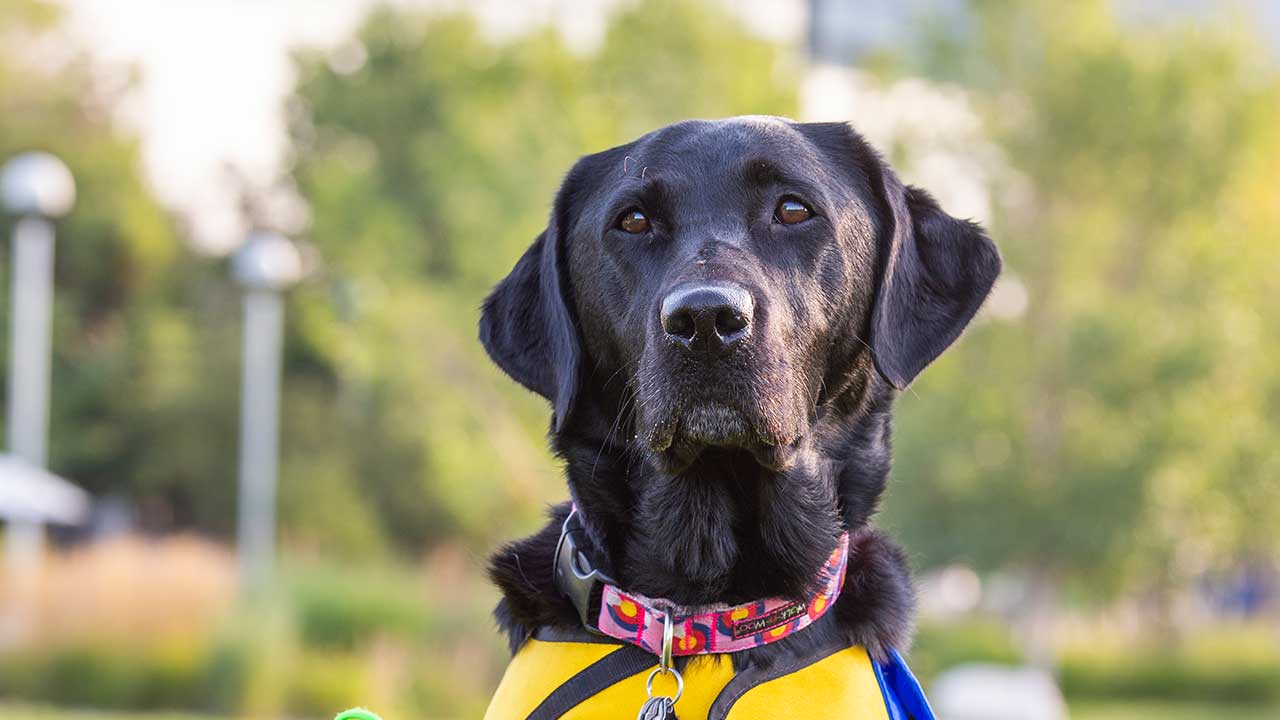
(725, 276)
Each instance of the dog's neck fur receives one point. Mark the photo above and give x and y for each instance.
(728, 530)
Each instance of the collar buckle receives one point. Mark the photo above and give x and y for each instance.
(575, 576)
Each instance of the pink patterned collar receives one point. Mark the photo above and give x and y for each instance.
(639, 620)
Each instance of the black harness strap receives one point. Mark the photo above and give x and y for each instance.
(753, 675)
(612, 668)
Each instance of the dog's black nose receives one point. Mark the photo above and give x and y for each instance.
(714, 317)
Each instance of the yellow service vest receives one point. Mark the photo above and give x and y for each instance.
(843, 685)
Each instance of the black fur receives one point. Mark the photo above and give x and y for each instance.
(706, 479)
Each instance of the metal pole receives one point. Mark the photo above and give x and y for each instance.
(29, 358)
(259, 433)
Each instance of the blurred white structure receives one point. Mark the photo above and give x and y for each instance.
(994, 692)
(38, 188)
(265, 266)
(934, 137)
(35, 495)
(37, 184)
(930, 132)
(949, 592)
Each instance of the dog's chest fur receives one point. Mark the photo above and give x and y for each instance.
(777, 555)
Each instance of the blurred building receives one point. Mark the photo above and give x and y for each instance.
(844, 32)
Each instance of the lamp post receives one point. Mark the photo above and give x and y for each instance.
(265, 266)
(38, 188)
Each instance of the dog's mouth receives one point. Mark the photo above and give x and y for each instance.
(681, 438)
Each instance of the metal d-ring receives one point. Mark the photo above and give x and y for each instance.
(664, 660)
(668, 639)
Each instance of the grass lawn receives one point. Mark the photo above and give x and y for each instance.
(1169, 711)
(1079, 711)
(22, 711)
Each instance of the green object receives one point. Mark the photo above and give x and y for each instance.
(357, 714)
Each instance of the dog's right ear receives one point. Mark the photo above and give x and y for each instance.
(937, 271)
(934, 270)
(527, 326)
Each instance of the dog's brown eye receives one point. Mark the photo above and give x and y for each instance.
(634, 222)
(791, 211)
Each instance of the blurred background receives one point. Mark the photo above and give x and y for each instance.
(1088, 484)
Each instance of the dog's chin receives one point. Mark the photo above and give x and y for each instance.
(682, 439)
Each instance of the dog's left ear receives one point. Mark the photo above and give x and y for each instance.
(935, 273)
(526, 324)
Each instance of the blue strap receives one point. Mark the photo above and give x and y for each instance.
(903, 697)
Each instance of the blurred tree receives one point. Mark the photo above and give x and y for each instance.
(1124, 428)
(139, 404)
(429, 162)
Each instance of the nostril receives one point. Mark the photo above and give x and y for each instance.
(679, 324)
(729, 322)
(712, 316)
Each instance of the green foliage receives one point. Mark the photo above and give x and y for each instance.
(1079, 711)
(106, 677)
(23, 711)
(323, 682)
(347, 610)
(227, 675)
(428, 171)
(978, 640)
(143, 337)
(201, 678)
(1222, 663)
(1130, 710)
(1122, 429)
(1120, 432)
(332, 637)
(384, 636)
(1238, 665)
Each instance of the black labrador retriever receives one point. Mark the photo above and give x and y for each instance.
(721, 314)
